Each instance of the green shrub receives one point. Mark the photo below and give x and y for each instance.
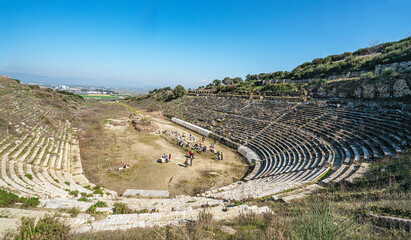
(97, 190)
(83, 199)
(85, 195)
(29, 176)
(67, 183)
(145, 210)
(92, 209)
(74, 193)
(74, 211)
(368, 75)
(7, 199)
(389, 72)
(31, 202)
(121, 208)
(48, 227)
(56, 180)
(101, 204)
(238, 203)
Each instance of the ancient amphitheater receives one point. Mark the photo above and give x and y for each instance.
(296, 143)
(295, 147)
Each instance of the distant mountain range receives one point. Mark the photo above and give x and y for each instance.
(84, 82)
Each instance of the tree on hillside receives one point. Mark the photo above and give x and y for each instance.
(210, 85)
(165, 89)
(250, 77)
(179, 91)
(153, 91)
(237, 80)
(227, 81)
(217, 82)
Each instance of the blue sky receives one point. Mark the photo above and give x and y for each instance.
(161, 43)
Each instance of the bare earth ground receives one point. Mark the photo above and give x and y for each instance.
(141, 151)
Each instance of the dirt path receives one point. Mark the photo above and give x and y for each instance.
(141, 151)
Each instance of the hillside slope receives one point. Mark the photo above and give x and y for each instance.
(378, 72)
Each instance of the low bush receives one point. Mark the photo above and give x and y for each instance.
(368, 75)
(121, 208)
(31, 202)
(83, 199)
(29, 176)
(8, 199)
(238, 203)
(74, 193)
(48, 227)
(74, 211)
(101, 204)
(389, 72)
(97, 190)
(92, 209)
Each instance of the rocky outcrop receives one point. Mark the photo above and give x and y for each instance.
(380, 88)
(390, 222)
(401, 88)
(397, 67)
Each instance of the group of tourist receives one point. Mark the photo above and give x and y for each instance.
(220, 155)
(190, 141)
(291, 108)
(166, 158)
(124, 167)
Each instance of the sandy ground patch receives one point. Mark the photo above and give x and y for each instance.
(141, 151)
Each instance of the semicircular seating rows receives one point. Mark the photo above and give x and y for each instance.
(39, 160)
(298, 143)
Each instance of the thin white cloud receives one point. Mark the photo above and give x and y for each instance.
(203, 80)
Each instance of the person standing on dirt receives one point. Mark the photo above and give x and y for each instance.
(221, 156)
(169, 157)
(191, 158)
(186, 162)
(218, 155)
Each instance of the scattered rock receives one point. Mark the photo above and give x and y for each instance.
(228, 230)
